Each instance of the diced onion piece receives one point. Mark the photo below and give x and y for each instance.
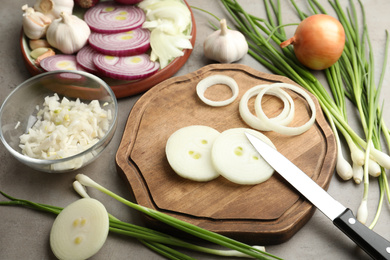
(284, 118)
(207, 82)
(64, 128)
(127, 67)
(110, 17)
(60, 62)
(85, 59)
(128, 43)
(281, 129)
(236, 159)
(188, 151)
(80, 230)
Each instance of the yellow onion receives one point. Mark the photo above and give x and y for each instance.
(318, 41)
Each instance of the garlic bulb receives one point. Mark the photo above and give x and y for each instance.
(53, 8)
(68, 33)
(224, 45)
(34, 23)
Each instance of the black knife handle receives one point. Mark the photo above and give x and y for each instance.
(374, 245)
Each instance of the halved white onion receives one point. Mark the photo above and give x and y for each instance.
(284, 118)
(209, 81)
(188, 151)
(277, 127)
(236, 159)
(80, 230)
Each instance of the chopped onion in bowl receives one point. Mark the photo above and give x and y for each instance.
(65, 128)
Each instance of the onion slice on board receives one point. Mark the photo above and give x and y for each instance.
(60, 62)
(281, 129)
(128, 43)
(80, 230)
(235, 158)
(207, 82)
(84, 58)
(284, 118)
(188, 151)
(110, 17)
(127, 67)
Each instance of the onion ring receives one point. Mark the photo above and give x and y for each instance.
(205, 83)
(284, 118)
(281, 129)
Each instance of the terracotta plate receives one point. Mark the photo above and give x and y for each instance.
(267, 213)
(122, 88)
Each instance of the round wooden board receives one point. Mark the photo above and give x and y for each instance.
(267, 213)
(121, 88)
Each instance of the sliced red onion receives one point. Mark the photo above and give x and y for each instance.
(126, 68)
(128, 43)
(84, 58)
(60, 62)
(110, 17)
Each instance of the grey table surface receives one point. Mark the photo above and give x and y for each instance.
(24, 234)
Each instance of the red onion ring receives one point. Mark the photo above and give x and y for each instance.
(110, 17)
(126, 68)
(128, 43)
(85, 59)
(60, 62)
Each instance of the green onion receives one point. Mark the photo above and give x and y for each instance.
(155, 240)
(352, 77)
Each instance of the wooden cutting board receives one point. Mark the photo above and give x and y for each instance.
(267, 213)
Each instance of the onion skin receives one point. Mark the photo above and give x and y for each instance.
(318, 41)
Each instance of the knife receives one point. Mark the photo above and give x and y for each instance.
(372, 243)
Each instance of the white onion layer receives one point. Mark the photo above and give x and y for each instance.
(188, 151)
(236, 159)
(284, 118)
(207, 82)
(80, 230)
(281, 129)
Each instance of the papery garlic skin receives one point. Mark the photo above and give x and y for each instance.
(54, 8)
(224, 45)
(34, 23)
(68, 33)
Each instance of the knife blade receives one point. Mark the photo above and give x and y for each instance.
(372, 243)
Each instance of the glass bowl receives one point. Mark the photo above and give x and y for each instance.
(18, 114)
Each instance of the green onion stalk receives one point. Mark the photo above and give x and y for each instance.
(355, 81)
(157, 241)
(351, 77)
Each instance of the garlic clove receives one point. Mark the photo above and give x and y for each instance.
(38, 43)
(225, 45)
(53, 8)
(49, 52)
(34, 23)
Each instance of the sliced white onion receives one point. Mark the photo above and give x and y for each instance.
(80, 230)
(188, 151)
(236, 159)
(281, 129)
(284, 118)
(207, 82)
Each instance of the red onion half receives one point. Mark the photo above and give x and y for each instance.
(126, 68)
(121, 44)
(60, 62)
(110, 17)
(85, 59)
